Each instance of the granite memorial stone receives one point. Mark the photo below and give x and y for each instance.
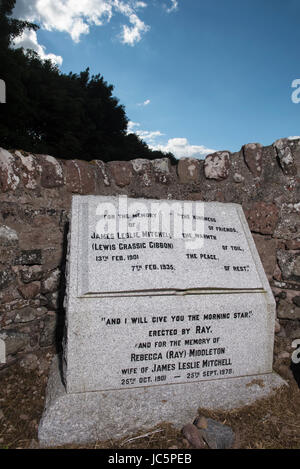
(168, 309)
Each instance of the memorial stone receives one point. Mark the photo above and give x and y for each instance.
(168, 309)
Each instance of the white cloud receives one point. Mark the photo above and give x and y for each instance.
(180, 147)
(173, 7)
(148, 136)
(29, 40)
(145, 103)
(131, 126)
(132, 35)
(75, 17)
(293, 138)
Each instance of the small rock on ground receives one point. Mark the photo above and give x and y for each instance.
(217, 435)
(192, 435)
(206, 432)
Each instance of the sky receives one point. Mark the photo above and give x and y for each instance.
(195, 76)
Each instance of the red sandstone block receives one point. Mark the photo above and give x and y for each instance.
(30, 290)
(217, 165)
(188, 170)
(262, 218)
(122, 172)
(80, 177)
(253, 158)
(51, 171)
(9, 172)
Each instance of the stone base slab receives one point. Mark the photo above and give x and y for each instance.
(100, 415)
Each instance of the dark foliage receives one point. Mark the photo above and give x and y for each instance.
(67, 116)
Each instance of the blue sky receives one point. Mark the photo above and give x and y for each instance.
(194, 75)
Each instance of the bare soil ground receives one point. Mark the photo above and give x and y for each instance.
(268, 424)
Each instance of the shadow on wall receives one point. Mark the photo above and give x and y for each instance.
(61, 313)
(295, 368)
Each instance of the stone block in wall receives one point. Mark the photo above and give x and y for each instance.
(293, 244)
(30, 273)
(295, 146)
(35, 227)
(296, 301)
(30, 169)
(51, 171)
(238, 178)
(288, 226)
(51, 282)
(80, 177)
(292, 332)
(100, 167)
(29, 257)
(266, 247)
(285, 156)
(14, 341)
(217, 165)
(286, 310)
(289, 263)
(7, 256)
(8, 236)
(18, 303)
(6, 278)
(262, 217)
(28, 314)
(162, 170)
(9, 294)
(253, 153)
(30, 290)
(47, 336)
(286, 285)
(40, 232)
(272, 178)
(144, 170)
(53, 257)
(9, 171)
(195, 196)
(188, 170)
(121, 172)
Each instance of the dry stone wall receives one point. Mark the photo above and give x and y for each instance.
(35, 197)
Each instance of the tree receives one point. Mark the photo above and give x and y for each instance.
(11, 27)
(65, 115)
